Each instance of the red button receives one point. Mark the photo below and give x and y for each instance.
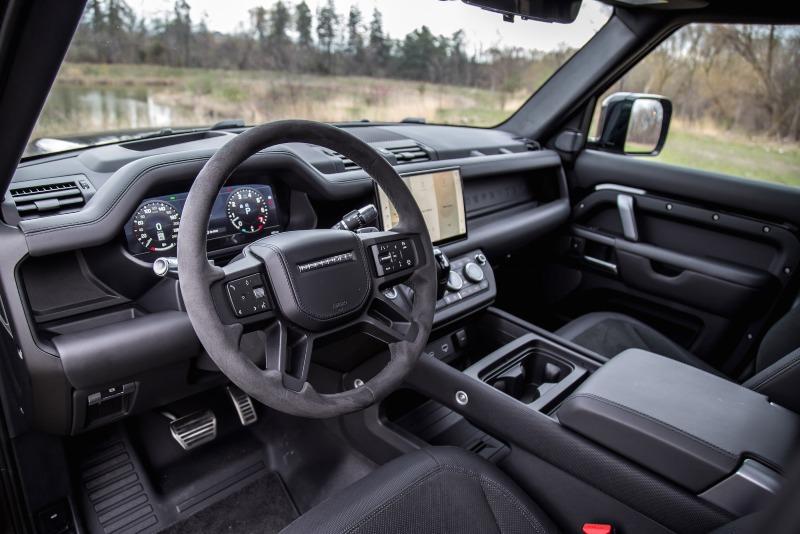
(597, 528)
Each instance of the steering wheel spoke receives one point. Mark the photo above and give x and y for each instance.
(288, 351)
(389, 318)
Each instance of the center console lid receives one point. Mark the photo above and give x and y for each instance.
(685, 424)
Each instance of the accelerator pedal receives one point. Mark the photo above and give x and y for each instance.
(243, 404)
(193, 430)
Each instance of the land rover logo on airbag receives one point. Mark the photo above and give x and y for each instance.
(326, 262)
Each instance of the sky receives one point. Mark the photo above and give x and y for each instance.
(483, 29)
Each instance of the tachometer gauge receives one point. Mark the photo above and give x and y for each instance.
(155, 225)
(247, 210)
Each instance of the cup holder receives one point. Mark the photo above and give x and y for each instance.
(531, 370)
(530, 376)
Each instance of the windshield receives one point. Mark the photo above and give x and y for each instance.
(149, 67)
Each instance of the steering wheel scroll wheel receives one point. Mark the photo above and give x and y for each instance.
(299, 286)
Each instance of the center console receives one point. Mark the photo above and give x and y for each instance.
(722, 441)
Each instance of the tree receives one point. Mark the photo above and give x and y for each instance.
(327, 24)
(107, 34)
(506, 68)
(418, 50)
(355, 41)
(302, 24)
(178, 34)
(278, 40)
(379, 48)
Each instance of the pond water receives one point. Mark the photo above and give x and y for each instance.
(75, 108)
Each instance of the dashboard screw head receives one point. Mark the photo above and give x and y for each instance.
(715, 217)
(669, 207)
(462, 398)
(765, 229)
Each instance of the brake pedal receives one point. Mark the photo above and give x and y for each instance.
(244, 405)
(193, 430)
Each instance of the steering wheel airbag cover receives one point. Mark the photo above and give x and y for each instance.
(319, 277)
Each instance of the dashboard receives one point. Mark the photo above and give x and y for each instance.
(78, 268)
(241, 214)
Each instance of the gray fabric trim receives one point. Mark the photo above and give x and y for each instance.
(780, 382)
(397, 498)
(782, 338)
(609, 334)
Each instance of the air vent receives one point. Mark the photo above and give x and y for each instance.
(410, 153)
(398, 152)
(349, 165)
(41, 197)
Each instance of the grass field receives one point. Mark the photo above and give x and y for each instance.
(94, 98)
(758, 159)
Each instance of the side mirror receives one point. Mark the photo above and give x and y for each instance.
(633, 123)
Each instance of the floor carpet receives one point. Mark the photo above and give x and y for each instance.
(260, 508)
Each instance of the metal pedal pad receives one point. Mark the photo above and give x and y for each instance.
(244, 405)
(193, 430)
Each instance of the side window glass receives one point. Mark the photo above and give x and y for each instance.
(735, 92)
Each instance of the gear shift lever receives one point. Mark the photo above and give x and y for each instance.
(442, 271)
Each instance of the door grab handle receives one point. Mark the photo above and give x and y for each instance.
(628, 218)
(605, 265)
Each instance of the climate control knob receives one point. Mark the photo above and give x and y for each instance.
(454, 281)
(473, 273)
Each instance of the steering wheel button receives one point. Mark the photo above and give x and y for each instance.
(248, 295)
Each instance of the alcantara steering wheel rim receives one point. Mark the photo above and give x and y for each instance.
(295, 267)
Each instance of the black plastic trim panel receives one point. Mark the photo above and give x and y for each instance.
(740, 195)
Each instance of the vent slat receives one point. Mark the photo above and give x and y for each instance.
(411, 153)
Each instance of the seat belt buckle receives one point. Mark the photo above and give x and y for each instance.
(597, 528)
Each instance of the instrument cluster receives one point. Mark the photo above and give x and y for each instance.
(240, 215)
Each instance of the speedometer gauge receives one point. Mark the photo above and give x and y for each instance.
(155, 225)
(247, 210)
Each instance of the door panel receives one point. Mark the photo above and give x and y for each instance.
(702, 257)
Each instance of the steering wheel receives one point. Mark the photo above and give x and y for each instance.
(298, 286)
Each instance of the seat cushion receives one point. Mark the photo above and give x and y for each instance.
(440, 489)
(609, 334)
(780, 382)
(782, 338)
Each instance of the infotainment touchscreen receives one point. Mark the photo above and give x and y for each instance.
(440, 197)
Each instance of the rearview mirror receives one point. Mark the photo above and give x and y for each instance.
(633, 123)
(561, 11)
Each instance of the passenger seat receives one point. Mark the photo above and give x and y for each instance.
(777, 362)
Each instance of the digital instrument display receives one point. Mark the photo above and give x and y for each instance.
(240, 215)
(440, 197)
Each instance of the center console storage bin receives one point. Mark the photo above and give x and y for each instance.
(689, 426)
